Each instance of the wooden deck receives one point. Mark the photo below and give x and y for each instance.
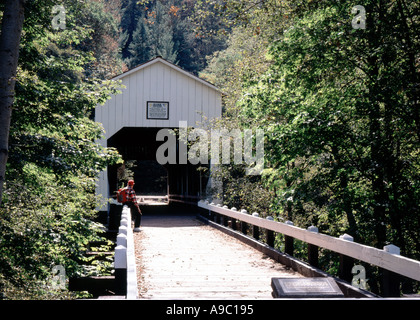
(178, 257)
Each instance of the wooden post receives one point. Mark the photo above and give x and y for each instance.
(391, 280)
(232, 221)
(270, 234)
(244, 225)
(313, 250)
(346, 263)
(288, 241)
(120, 265)
(234, 224)
(210, 213)
(255, 229)
(225, 221)
(217, 218)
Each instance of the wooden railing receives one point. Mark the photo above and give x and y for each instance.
(162, 199)
(124, 259)
(183, 199)
(388, 259)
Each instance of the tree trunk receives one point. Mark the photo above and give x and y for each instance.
(11, 30)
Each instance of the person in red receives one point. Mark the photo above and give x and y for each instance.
(131, 202)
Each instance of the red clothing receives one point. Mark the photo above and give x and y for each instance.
(131, 195)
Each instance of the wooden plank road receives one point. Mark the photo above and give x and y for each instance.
(178, 257)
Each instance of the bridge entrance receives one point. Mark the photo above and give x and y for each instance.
(156, 95)
(138, 146)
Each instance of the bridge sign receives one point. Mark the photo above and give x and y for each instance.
(305, 288)
(157, 110)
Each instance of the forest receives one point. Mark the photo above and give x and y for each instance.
(334, 89)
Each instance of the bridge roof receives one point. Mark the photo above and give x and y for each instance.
(159, 59)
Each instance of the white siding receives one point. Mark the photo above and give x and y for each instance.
(189, 100)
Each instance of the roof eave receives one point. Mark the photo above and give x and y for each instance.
(169, 64)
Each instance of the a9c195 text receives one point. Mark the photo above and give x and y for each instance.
(219, 309)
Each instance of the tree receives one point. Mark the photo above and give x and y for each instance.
(11, 29)
(103, 19)
(159, 34)
(49, 201)
(166, 28)
(140, 52)
(148, 34)
(340, 115)
(131, 13)
(341, 122)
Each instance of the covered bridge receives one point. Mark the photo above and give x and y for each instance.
(156, 95)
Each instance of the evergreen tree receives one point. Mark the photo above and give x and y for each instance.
(159, 34)
(139, 50)
(102, 18)
(184, 42)
(166, 28)
(131, 12)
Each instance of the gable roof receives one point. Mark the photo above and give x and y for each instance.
(159, 59)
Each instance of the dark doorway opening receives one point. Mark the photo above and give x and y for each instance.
(180, 183)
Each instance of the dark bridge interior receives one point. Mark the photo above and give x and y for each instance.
(181, 183)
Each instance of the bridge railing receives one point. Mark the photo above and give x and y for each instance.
(184, 199)
(124, 259)
(388, 259)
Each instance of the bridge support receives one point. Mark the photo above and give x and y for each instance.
(391, 280)
(288, 241)
(124, 258)
(346, 263)
(255, 229)
(270, 234)
(313, 250)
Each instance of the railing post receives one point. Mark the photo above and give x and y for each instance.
(114, 216)
(313, 250)
(225, 221)
(255, 229)
(270, 234)
(244, 225)
(288, 241)
(120, 265)
(209, 212)
(217, 217)
(122, 240)
(346, 263)
(391, 280)
(223, 218)
(232, 221)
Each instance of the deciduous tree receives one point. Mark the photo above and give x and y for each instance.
(11, 29)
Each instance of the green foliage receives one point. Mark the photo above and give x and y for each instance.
(320, 88)
(125, 173)
(102, 17)
(340, 115)
(49, 201)
(166, 28)
(159, 37)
